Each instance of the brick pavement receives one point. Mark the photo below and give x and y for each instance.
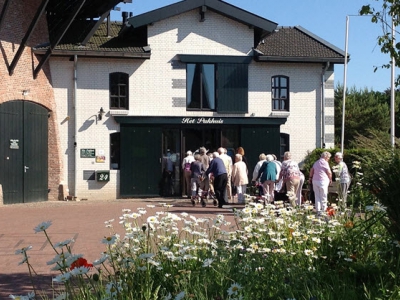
(83, 221)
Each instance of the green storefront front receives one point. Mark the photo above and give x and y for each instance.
(145, 143)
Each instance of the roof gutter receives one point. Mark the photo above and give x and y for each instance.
(265, 58)
(113, 54)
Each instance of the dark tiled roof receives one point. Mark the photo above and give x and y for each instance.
(99, 42)
(297, 44)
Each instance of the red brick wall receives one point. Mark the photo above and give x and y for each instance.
(18, 17)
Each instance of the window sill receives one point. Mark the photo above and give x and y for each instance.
(280, 114)
(119, 112)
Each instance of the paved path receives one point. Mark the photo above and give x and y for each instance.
(83, 221)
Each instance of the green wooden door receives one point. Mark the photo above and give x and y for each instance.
(259, 140)
(140, 170)
(23, 152)
(35, 152)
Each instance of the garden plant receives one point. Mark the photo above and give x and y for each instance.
(269, 251)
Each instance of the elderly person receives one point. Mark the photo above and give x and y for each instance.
(290, 175)
(268, 173)
(196, 169)
(321, 177)
(186, 162)
(239, 177)
(217, 168)
(228, 166)
(343, 177)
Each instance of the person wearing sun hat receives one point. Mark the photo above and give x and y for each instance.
(342, 173)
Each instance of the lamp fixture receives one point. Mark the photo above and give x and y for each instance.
(25, 92)
(101, 113)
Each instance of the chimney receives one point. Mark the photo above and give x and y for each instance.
(124, 17)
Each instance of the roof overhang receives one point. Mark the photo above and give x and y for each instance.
(223, 8)
(281, 59)
(198, 58)
(105, 54)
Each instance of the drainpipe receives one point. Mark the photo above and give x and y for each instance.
(323, 80)
(75, 89)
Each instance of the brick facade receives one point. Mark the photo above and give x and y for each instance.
(17, 20)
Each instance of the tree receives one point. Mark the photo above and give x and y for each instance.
(365, 111)
(386, 16)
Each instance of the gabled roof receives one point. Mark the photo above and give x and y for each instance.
(261, 25)
(296, 44)
(104, 43)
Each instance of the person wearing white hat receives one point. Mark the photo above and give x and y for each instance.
(186, 162)
(343, 177)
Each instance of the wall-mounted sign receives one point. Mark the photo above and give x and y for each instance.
(103, 175)
(14, 144)
(88, 153)
(100, 158)
(202, 121)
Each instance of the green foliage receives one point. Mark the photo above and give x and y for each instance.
(382, 173)
(365, 110)
(385, 16)
(271, 252)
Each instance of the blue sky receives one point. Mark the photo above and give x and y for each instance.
(326, 19)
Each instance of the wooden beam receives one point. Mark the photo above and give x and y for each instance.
(65, 26)
(95, 27)
(28, 33)
(3, 11)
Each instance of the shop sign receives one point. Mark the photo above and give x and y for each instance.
(88, 153)
(202, 121)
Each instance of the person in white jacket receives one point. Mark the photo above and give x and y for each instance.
(186, 162)
(239, 177)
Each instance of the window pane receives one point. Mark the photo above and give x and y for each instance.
(283, 82)
(114, 102)
(122, 90)
(192, 86)
(208, 86)
(122, 102)
(283, 93)
(114, 90)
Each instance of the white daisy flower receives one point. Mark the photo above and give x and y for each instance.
(110, 240)
(23, 250)
(207, 262)
(42, 226)
(62, 278)
(79, 271)
(234, 289)
(64, 243)
(100, 260)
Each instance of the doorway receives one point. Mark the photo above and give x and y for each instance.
(194, 138)
(23, 152)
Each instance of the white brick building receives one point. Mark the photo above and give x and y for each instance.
(194, 73)
(155, 117)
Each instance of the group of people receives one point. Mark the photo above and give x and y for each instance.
(321, 178)
(275, 176)
(217, 173)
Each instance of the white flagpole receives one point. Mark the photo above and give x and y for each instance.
(344, 82)
(392, 94)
